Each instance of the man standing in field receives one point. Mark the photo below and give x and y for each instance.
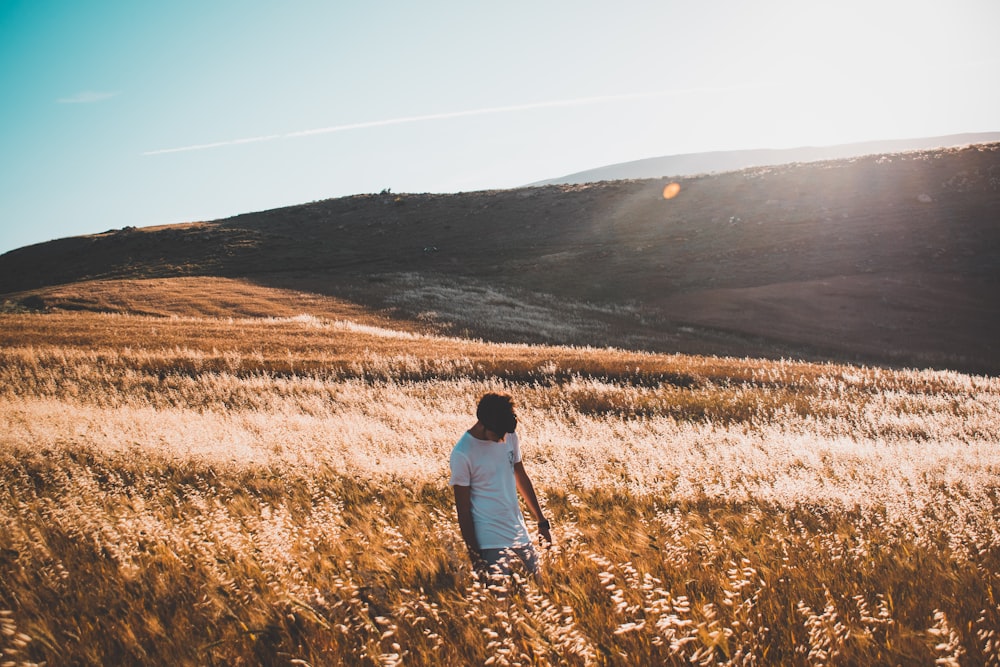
(486, 475)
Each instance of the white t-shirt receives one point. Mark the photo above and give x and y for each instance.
(488, 467)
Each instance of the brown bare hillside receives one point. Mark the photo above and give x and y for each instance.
(196, 297)
(887, 259)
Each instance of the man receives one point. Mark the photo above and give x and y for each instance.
(486, 475)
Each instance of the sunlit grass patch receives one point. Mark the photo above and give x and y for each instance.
(140, 559)
(199, 491)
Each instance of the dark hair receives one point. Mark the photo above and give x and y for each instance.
(496, 412)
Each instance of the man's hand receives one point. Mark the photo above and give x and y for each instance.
(478, 564)
(544, 531)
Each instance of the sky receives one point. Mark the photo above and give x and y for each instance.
(121, 113)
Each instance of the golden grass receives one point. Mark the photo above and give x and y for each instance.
(274, 491)
(197, 296)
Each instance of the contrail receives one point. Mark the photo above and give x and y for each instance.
(582, 101)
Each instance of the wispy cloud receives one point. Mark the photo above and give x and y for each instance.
(577, 102)
(86, 97)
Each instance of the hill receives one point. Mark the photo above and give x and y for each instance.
(890, 259)
(719, 161)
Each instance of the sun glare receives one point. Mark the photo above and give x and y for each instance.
(670, 190)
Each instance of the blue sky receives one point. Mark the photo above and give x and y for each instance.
(138, 113)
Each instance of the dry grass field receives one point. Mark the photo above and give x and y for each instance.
(190, 487)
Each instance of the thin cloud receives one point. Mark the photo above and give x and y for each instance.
(86, 97)
(578, 102)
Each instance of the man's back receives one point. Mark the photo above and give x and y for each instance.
(488, 468)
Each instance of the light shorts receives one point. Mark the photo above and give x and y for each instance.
(501, 561)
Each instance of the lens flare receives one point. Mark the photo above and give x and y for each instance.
(670, 190)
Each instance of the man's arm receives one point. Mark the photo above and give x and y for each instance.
(463, 507)
(527, 490)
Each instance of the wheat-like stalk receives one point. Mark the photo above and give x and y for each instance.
(203, 491)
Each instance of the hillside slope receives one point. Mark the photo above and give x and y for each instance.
(718, 161)
(889, 259)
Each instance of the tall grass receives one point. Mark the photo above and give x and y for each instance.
(204, 491)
